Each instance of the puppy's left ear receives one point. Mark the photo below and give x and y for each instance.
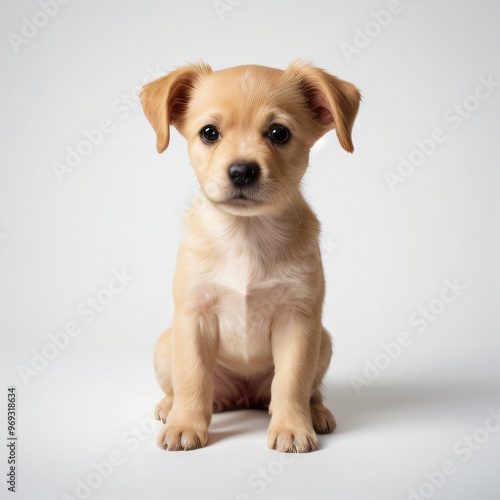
(165, 100)
(334, 103)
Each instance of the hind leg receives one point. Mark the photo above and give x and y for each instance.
(162, 364)
(322, 419)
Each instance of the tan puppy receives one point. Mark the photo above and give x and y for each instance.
(249, 284)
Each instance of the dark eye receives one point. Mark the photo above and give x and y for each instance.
(279, 134)
(209, 134)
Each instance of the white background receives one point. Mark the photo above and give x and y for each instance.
(387, 253)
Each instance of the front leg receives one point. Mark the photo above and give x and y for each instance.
(194, 345)
(295, 345)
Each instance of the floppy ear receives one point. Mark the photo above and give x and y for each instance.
(333, 102)
(165, 100)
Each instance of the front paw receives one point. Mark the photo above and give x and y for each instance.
(291, 440)
(176, 438)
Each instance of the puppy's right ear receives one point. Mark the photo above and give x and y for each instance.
(165, 100)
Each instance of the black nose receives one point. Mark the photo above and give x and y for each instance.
(243, 174)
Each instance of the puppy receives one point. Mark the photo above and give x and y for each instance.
(249, 285)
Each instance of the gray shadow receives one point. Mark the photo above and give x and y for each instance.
(382, 404)
(378, 405)
(232, 423)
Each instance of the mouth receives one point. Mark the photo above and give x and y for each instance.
(241, 200)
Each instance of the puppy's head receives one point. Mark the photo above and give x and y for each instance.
(250, 128)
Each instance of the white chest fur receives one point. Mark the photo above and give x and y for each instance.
(248, 270)
(236, 282)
